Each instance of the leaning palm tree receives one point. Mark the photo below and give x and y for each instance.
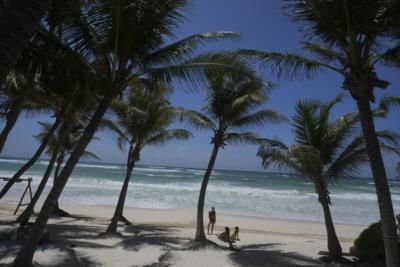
(125, 42)
(143, 119)
(325, 150)
(350, 37)
(60, 144)
(230, 107)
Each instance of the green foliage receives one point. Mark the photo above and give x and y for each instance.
(325, 149)
(369, 246)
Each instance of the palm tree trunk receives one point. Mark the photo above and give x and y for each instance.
(12, 116)
(18, 22)
(112, 228)
(334, 248)
(200, 234)
(25, 255)
(32, 161)
(60, 160)
(26, 214)
(381, 184)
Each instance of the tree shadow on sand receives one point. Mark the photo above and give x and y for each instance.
(150, 235)
(71, 258)
(262, 255)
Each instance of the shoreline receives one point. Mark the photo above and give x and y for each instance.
(277, 219)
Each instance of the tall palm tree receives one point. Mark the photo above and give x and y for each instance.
(230, 107)
(61, 142)
(143, 119)
(125, 43)
(19, 19)
(325, 150)
(350, 37)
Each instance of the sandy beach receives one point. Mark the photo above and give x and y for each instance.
(161, 238)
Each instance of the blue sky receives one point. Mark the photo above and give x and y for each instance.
(262, 26)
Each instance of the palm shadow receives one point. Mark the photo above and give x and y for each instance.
(71, 258)
(150, 235)
(263, 255)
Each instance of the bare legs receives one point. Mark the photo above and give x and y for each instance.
(212, 228)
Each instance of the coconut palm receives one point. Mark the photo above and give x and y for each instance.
(19, 19)
(60, 144)
(125, 43)
(230, 107)
(325, 150)
(388, 101)
(350, 38)
(143, 119)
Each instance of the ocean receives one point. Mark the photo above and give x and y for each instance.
(258, 194)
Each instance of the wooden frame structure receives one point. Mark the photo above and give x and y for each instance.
(28, 188)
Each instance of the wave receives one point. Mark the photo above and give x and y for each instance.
(86, 165)
(361, 196)
(13, 160)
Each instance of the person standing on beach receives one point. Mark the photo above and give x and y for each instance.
(212, 219)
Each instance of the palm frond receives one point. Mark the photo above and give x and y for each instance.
(325, 54)
(167, 135)
(193, 119)
(90, 155)
(233, 138)
(388, 101)
(288, 65)
(179, 51)
(259, 118)
(349, 161)
(390, 57)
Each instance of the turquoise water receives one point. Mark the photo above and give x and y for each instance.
(233, 192)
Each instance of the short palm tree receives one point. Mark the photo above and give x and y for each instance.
(143, 119)
(125, 42)
(350, 37)
(325, 150)
(230, 107)
(60, 143)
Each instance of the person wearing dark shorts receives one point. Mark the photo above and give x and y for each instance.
(212, 219)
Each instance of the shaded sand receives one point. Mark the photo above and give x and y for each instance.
(161, 238)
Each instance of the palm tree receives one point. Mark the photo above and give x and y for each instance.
(60, 144)
(350, 38)
(232, 98)
(325, 150)
(142, 120)
(19, 20)
(124, 43)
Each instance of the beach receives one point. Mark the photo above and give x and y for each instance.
(162, 238)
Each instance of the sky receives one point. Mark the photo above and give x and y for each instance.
(262, 26)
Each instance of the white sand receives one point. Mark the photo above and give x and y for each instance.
(161, 237)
